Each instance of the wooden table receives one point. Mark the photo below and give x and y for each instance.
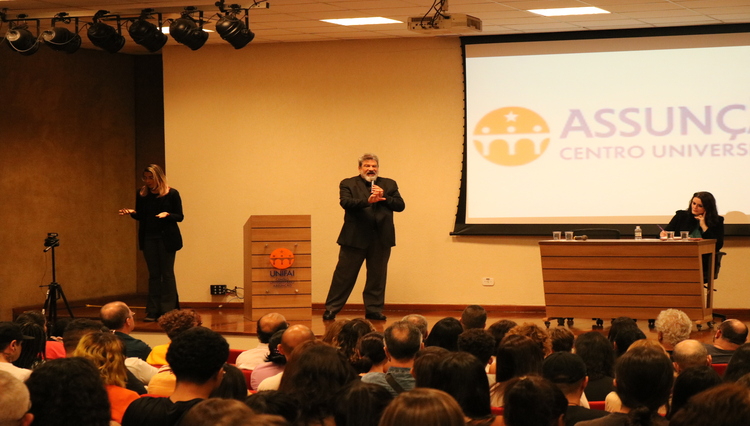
(604, 279)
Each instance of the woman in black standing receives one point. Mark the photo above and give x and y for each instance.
(158, 208)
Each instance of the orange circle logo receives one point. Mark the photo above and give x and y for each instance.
(281, 258)
(511, 136)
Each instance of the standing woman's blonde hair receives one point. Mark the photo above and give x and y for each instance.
(159, 177)
(423, 407)
(107, 352)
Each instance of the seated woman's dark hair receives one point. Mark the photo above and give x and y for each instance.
(445, 334)
(533, 401)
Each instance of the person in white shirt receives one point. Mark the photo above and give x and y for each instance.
(266, 326)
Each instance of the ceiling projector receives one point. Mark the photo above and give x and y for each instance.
(445, 23)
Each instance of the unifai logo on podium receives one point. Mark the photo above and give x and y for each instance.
(281, 259)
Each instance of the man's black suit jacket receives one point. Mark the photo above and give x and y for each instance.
(364, 222)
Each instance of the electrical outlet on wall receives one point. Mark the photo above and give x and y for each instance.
(218, 289)
(488, 281)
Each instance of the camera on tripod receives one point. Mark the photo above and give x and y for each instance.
(51, 241)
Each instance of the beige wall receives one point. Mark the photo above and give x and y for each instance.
(273, 128)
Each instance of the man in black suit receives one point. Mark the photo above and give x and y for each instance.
(367, 235)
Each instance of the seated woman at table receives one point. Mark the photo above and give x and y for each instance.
(701, 219)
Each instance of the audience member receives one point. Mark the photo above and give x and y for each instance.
(107, 352)
(516, 356)
(689, 353)
(539, 335)
(274, 402)
(402, 342)
(273, 364)
(731, 335)
(690, 382)
(474, 316)
(32, 350)
(371, 354)
(265, 327)
(426, 364)
(462, 376)
(197, 358)
(11, 342)
(331, 336)
(672, 327)
(68, 391)
(445, 334)
(53, 348)
(562, 339)
(534, 401)
(498, 329)
(227, 412)
(173, 323)
(568, 372)
(626, 337)
(349, 336)
(314, 373)
(643, 378)
(360, 404)
(76, 329)
(421, 323)
(290, 339)
(724, 405)
(599, 356)
(739, 364)
(232, 386)
(423, 407)
(479, 343)
(14, 401)
(118, 317)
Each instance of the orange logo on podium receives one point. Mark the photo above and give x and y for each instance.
(511, 136)
(281, 258)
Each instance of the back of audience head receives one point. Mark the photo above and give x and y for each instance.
(499, 329)
(360, 404)
(179, 320)
(567, 371)
(739, 364)
(445, 334)
(275, 403)
(691, 382)
(107, 352)
(539, 335)
(32, 350)
(426, 365)
(423, 407)
(268, 325)
(403, 340)
(331, 336)
(643, 378)
(462, 376)
(68, 391)
(618, 324)
(517, 356)
(598, 354)
(727, 404)
(232, 386)
(114, 315)
(371, 351)
(37, 317)
(274, 355)
(533, 401)
(477, 342)
(690, 353)
(733, 331)
(349, 336)
(474, 316)
(626, 337)
(672, 327)
(314, 373)
(14, 401)
(197, 355)
(76, 329)
(562, 339)
(226, 412)
(420, 322)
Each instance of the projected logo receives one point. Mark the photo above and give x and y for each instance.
(511, 136)
(281, 258)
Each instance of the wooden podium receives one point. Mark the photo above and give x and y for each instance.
(634, 278)
(278, 260)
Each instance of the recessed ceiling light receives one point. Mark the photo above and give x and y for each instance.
(566, 11)
(362, 21)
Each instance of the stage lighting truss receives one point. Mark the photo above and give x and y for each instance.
(19, 37)
(187, 30)
(232, 29)
(146, 33)
(106, 37)
(61, 38)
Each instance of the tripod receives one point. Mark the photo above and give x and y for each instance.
(54, 292)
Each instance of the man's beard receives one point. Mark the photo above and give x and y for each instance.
(369, 178)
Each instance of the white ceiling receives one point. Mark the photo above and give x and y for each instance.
(299, 20)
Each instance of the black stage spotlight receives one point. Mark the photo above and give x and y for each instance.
(147, 34)
(22, 41)
(185, 31)
(234, 31)
(104, 36)
(61, 39)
